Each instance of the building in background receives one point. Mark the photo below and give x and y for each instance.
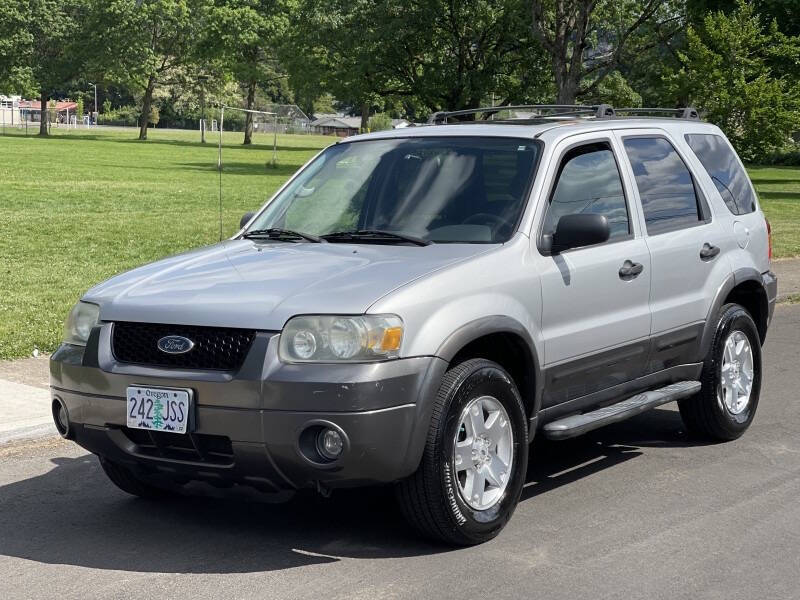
(9, 110)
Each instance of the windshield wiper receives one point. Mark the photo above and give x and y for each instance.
(374, 235)
(276, 233)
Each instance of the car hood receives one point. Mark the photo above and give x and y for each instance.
(259, 285)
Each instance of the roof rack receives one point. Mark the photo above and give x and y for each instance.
(557, 110)
(596, 111)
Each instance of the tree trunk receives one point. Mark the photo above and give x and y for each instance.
(364, 117)
(248, 117)
(44, 114)
(147, 103)
(566, 81)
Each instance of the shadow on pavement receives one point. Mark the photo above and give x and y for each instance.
(553, 464)
(73, 515)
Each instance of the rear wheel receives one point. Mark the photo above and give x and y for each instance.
(731, 378)
(473, 468)
(125, 480)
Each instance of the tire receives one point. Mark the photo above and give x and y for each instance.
(706, 415)
(432, 499)
(125, 480)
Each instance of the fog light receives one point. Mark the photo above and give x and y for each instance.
(330, 443)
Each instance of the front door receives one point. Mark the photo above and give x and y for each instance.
(595, 313)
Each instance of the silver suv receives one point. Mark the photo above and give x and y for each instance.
(414, 305)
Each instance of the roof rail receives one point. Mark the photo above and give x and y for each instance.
(596, 111)
(599, 111)
(679, 113)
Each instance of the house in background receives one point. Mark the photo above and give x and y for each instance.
(343, 126)
(336, 125)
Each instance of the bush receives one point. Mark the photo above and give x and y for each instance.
(379, 122)
(788, 157)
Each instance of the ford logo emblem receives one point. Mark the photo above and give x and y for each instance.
(175, 344)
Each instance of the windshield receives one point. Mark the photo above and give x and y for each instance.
(438, 189)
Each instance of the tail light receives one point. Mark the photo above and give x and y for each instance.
(769, 238)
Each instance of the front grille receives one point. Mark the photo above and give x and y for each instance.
(216, 348)
(188, 447)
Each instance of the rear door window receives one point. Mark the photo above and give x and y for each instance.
(666, 187)
(725, 171)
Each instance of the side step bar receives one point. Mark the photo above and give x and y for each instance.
(575, 425)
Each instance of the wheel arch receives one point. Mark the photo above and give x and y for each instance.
(744, 286)
(506, 341)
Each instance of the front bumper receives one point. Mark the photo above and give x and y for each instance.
(249, 426)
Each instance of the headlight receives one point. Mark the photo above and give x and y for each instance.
(330, 338)
(80, 321)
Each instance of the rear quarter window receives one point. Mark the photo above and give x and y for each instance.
(725, 171)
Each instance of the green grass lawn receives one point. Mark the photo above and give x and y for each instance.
(84, 205)
(779, 192)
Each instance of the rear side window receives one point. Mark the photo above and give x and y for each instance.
(589, 182)
(666, 186)
(725, 171)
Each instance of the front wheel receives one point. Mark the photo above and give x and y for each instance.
(476, 456)
(731, 378)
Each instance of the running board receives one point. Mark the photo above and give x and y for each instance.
(575, 425)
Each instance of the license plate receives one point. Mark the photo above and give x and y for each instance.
(158, 409)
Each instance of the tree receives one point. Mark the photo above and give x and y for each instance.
(455, 55)
(586, 40)
(39, 47)
(726, 73)
(146, 43)
(246, 33)
(428, 54)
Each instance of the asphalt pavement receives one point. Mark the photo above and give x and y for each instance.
(635, 510)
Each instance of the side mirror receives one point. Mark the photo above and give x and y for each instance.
(246, 219)
(576, 231)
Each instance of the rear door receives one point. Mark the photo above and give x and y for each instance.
(595, 319)
(685, 241)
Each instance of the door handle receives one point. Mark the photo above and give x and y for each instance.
(708, 251)
(630, 270)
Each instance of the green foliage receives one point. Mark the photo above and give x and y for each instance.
(587, 40)
(143, 45)
(788, 156)
(79, 111)
(124, 115)
(106, 105)
(726, 74)
(380, 122)
(40, 43)
(324, 104)
(615, 90)
(427, 55)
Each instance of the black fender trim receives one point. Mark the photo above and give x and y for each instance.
(736, 278)
(479, 328)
